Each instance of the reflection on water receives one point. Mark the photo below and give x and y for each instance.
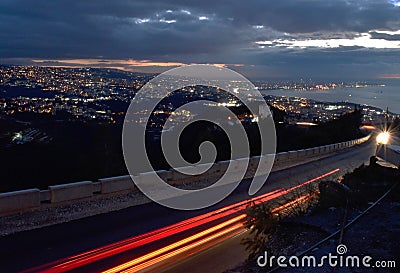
(379, 96)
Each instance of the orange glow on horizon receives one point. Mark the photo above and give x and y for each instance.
(389, 76)
(106, 62)
(122, 64)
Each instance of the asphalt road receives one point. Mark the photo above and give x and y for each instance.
(230, 253)
(32, 248)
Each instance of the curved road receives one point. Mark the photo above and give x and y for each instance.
(33, 248)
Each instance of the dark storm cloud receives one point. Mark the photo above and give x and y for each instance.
(351, 63)
(105, 28)
(308, 16)
(197, 31)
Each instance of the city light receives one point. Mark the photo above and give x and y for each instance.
(383, 138)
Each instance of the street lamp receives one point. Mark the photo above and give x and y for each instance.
(383, 138)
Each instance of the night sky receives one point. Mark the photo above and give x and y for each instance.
(331, 39)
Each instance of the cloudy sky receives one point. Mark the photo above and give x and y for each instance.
(329, 39)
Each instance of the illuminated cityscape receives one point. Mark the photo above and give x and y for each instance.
(102, 95)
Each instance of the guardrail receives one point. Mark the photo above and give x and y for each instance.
(18, 201)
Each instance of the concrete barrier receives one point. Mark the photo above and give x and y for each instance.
(187, 170)
(293, 154)
(176, 175)
(71, 191)
(223, 165)
(282, 156)
(253, 162)
(301, 153)
(45, 196)
(19, 200)
(217, 168)
(213, 169)
(116, 184)
(264, 162)
(315, 151)
(240, 164)
(147, 180)
(96, 187)
(207, 168)
(309, 151)
(164, 175)
(336, 147)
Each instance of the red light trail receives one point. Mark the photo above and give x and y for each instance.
(231, 226)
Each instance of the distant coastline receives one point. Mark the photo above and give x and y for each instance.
(372, 95)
